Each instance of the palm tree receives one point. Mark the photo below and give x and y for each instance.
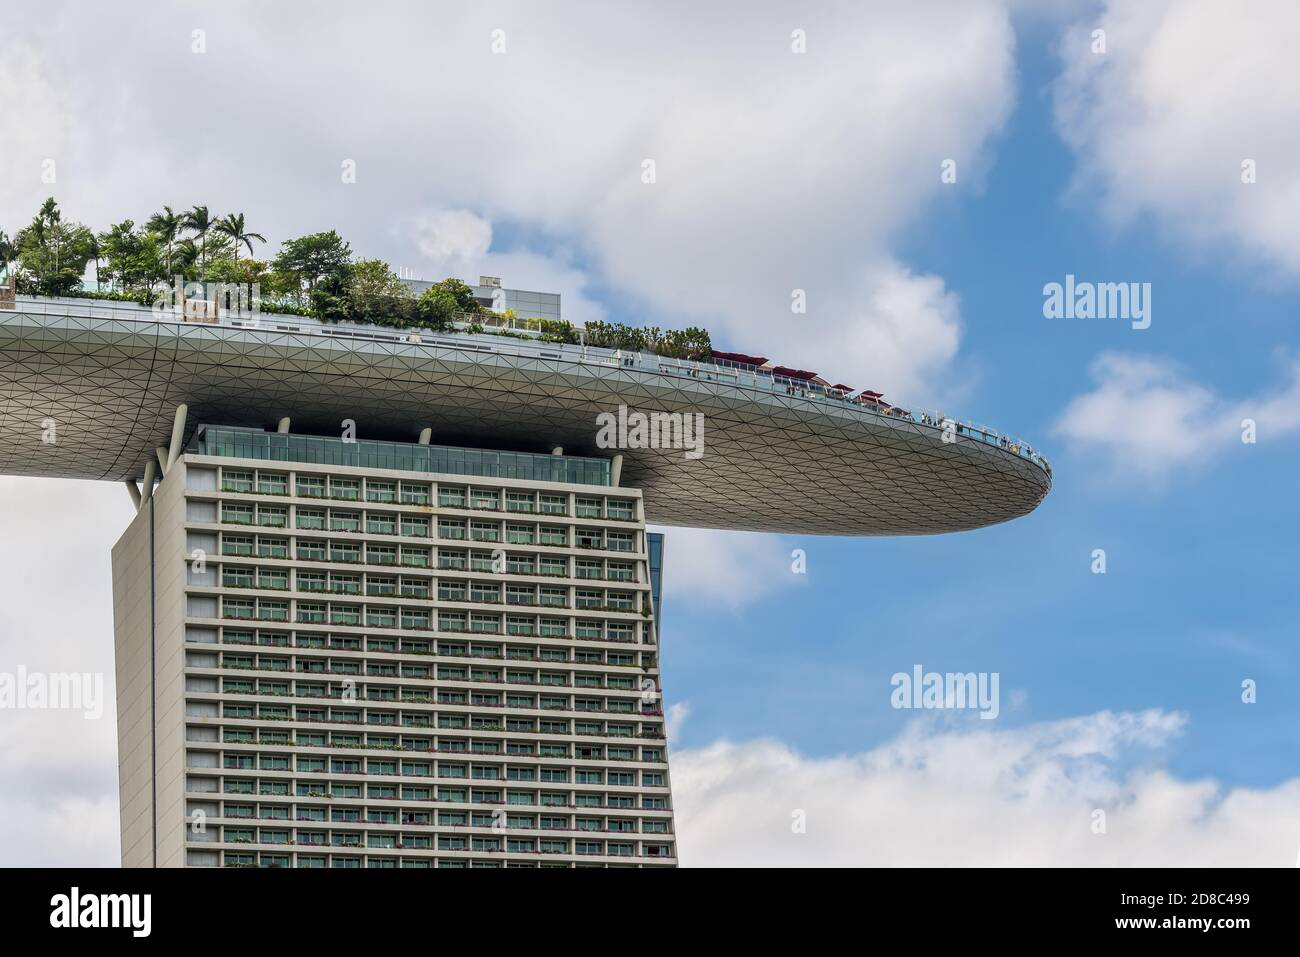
(7, 253)
(199, 221)
(49, 215)
(165, 225)
(186, 255)
(233, 226)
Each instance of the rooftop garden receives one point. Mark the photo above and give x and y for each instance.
(315, 275)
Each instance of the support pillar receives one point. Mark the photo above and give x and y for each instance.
(178, 436)
(283, 426)
(426, 436)
(146, 491)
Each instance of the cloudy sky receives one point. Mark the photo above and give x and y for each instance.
(511, 140)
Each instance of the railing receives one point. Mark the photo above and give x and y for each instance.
(722, 371)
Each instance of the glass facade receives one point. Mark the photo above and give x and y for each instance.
(406, 456)
(655, 547)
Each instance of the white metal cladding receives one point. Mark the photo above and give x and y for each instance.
(771, 462)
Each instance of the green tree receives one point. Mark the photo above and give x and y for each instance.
(377, 295)
(166, 225)
(7, 254)
(185, 257)
(53, 254)
(232, 226)
(135, 257)
(304, 263)
(446, 302)
(199, 221)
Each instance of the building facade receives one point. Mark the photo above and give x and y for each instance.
(341, 653)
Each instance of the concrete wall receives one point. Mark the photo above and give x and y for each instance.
(149, 665)
(131, 646)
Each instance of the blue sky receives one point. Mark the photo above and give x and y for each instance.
(1195, 598)
(778, 170)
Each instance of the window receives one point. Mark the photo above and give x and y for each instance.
(272, 483)
(236, 480)
(484, 498)
(415, 494)
(237, 514)
(311, 486)
(381, 491)
(345, 521)
(415, 557)
(553, 504)
(621, 509)
(273, 516)
(345, 488)
(451, 496)
(381, 524)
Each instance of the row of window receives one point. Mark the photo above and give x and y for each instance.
(442, 648)
(516, 724)
(388, 669)
(455, 589)
(279, 787)
(392, 492)
(444, 745)
(414, 526)
(422, 619)
(304, 764)
(411, 817)
(477, 699)
(233, 859)
(448, 559)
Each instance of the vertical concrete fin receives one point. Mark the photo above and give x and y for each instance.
(178, 435)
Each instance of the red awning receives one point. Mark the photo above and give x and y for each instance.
(794, 373)
(739, 357)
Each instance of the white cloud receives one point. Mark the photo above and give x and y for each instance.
(58, 789)
(1146, 416)
(33, 131)
(724, 569)
(1186, 91)
(776, 171)
(939, 796)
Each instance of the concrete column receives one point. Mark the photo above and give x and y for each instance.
(178, 435)
(134, 491)
(426, 436)
(146, 490)
(558, 450)
(283, 426)
(616, 469)
(162, 460)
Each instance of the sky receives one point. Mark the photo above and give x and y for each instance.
(922, 172)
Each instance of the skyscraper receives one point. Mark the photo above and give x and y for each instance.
(340, 651)
(381, 654)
